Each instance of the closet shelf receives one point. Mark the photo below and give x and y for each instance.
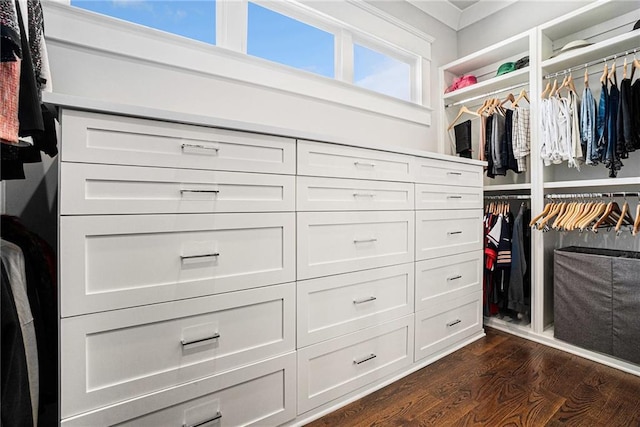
(508, 187)
(487, 86)
(585, 183)
(579, 57)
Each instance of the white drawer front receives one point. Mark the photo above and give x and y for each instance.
(431, 171)
(332, 368)
(259, 394)
(332, 306)
(100, 138)
(111, 262)
(455, 275)
(442, 233)
(321, 159)
(108, 189)
(331, 194)
(340, 242)
(446, 321)
(118, 355)
(429, 196)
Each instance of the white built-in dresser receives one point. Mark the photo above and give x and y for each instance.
(212, 276)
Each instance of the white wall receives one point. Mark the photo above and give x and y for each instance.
(513, 19)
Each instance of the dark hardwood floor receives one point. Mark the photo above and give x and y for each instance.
(501, 380)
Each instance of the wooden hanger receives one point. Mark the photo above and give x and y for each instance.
(609, 217)
(586, 77)
(550, 216)
(624, 68)
(522, 95)
(605, 73)
(480, 110)
(572, 87)
(554, 88)
(625, 217)
(596, 212)
(613, 78)
(544, 212)
(510, 98)
(462, 111)
(636, 223)
(545, 92)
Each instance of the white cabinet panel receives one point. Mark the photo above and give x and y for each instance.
(110, 262)
(431, 171)
(100, 138)
(445, 321)
(332, 368)
(455, 275)
(332, 306)
(256, 395)
(339, 242)
(442, 233)
(321, 159)
(108, 189)
(122, 354)
(331, 194)
(431, 196)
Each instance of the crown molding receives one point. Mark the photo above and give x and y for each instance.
(450, 15)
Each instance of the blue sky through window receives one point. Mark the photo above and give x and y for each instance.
(381, 73)
(281, 39)
(194, 19)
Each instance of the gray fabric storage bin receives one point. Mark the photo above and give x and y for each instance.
(626, 309)
(597, 300)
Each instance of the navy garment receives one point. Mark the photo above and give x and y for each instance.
(635, 113)
(626, 142)
(508, 138)
(601, 125)
(612, 158)
(487, 148)
(15, 397)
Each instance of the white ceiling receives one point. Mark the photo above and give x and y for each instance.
(459, 14)
(463, 4)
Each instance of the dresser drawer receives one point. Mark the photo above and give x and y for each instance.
(111, 262)
(330, 194)
(108, 189)
(332, 306)
(122, 354)
(340, 242)
(321, 159)
(455, 275)
(446, 321)
(431, 171)
(443, 233)
(259, 394)
(333, 368)
(99, 138)
(430, 196)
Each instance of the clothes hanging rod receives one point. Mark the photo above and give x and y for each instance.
(593, 195)
(589, 64)
(495, 92)
(509, 197)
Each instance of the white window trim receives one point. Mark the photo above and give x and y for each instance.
(75, 27)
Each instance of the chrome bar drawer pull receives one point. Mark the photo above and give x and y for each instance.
(210, 420)
(363, 300)
(184, 257)
(200, 191)
(454, 197)
(364, 359)
(368, 164)
(454, 277)
(455, 322)
(373, 239)
(450, 233)
(454, 173)
(212, 337)
(364, 195)
(210, 150)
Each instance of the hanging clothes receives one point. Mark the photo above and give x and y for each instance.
(588, 127)
(612, 157)
(575, 153)
(521, 137)
(626, 142)
(602, 122)
(519, 294)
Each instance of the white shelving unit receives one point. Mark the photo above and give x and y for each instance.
(607, 24)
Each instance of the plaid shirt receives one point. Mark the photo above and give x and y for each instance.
(521, 137)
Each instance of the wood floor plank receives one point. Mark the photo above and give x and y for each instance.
(501, 380)
(536, 410)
